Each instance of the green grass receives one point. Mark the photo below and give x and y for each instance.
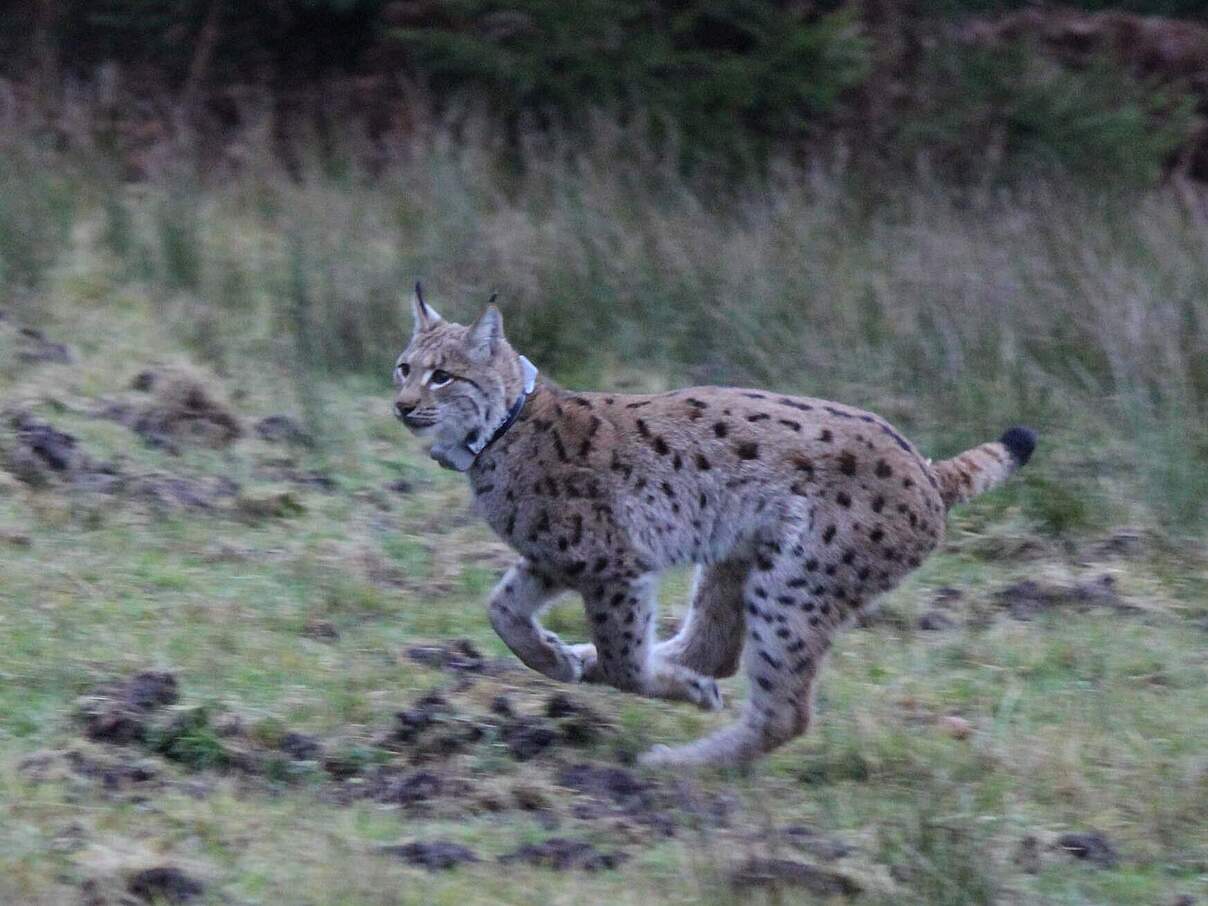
(952, 320)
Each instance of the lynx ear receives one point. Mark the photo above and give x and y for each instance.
(425, 316)
(484, 335)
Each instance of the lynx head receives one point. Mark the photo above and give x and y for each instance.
(459, 385)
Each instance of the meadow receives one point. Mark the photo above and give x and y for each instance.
(234, 507)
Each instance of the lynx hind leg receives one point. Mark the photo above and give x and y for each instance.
(793, 609)
(711, 639)
(514, 606)
(622, 621)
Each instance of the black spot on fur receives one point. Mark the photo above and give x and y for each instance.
(883, 469)
(758, 417)
(748, 450)
(667, 489)
(660, 446)
(826, 436)
(878, 504)
(770, 661)
(793, 404)
(847, 462)
(829, 535)
(721, 429)
(802, 464)
(764, 683)
(637, 405)
(791, 425)
(699, 404)
(642, 429)
(843, 499)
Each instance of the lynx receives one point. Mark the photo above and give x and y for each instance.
(797, 512)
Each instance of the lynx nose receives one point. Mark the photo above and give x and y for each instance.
(401, 410)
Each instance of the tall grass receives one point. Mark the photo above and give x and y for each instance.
(954, 313)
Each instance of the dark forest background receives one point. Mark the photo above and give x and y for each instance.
(1107, 91)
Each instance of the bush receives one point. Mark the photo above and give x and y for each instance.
(724, 72)
(1011, 113)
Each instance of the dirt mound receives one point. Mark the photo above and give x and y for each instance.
(1027, 599)
(41, 456)
(560, 854)
(778, 873)
(185, 407)
(1090, 846)
(436, 855)
(165, 884)
(120, 712)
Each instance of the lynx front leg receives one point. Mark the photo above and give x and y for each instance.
(622, 619)
(514, 606)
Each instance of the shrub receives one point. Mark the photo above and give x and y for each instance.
(724, 72)
(1012, 113)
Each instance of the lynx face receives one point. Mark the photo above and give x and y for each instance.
(456, 384)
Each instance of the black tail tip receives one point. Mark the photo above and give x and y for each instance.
(1020, 442)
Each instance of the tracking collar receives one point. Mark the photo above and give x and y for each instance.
(529, 372)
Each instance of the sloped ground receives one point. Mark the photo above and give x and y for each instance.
(245, 661)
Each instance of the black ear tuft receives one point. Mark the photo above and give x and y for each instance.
(1020, 442)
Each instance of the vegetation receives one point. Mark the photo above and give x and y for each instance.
(723, 85)
(230, 583)
(945, 764)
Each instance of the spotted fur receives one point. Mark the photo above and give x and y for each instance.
(798, 512)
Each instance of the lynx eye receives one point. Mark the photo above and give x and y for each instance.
(404, 369)
(439, 378)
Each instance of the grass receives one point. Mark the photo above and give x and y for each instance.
(953, 316)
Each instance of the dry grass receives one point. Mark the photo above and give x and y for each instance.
(954, 313)
(953, 316)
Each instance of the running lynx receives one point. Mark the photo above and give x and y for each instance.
(798, 512)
